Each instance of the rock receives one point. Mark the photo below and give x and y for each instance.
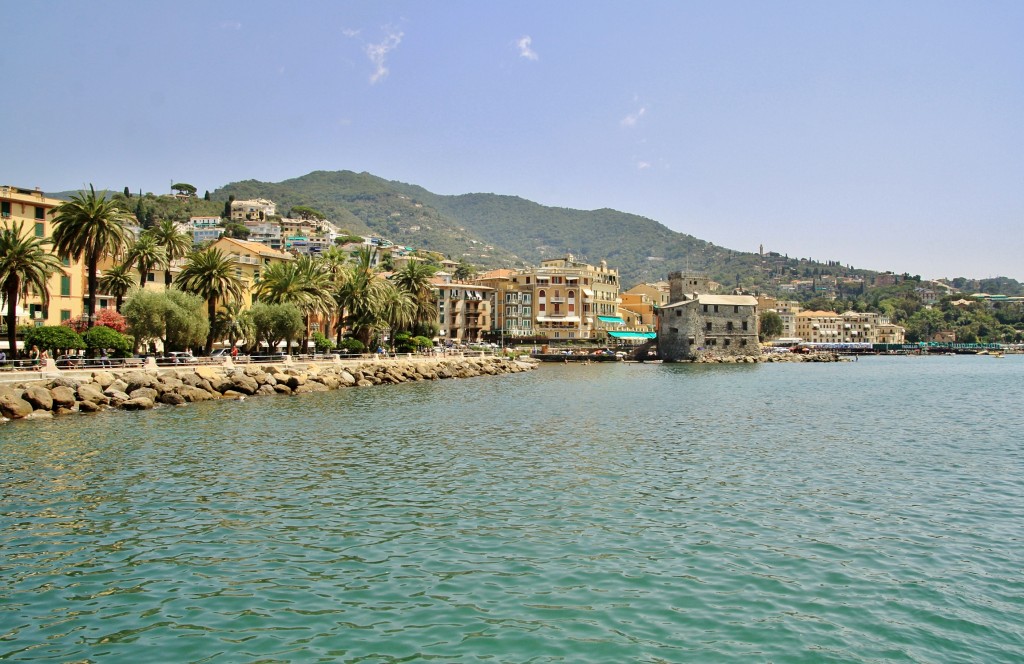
(116, 396)
(39, 415)
(91, 392)
(281, 388)
(63, 397)
(172, 399)
(346, 379)
(118, 385)
(311, 386)
(192, 394)
(266, 390)
(103, 378)
(144, 392)
(239, 382)
(140, 403)
(13, 404)
(64, 381)
(232, 394)
(89, 407)
(137, 379)
(39, 397)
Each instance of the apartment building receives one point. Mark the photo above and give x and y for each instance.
(250, 259)
(255, 210)
(34, 211)
(463, 310)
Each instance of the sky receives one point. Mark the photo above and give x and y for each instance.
(884, 135)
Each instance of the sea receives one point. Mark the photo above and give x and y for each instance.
(868, 511)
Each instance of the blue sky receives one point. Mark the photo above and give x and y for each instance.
(886, 135)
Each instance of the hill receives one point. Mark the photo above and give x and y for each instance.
(492, 230)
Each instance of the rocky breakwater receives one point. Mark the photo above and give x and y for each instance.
(141, 390)
(769, 357)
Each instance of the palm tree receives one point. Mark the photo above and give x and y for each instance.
(231, 322)
(210, 274)
(399, 309)
(145, 254)
(92, 227)
(301, 282)
(363, 296)
(25, 267)
(117, 281)
(414, 279)
(176, 244)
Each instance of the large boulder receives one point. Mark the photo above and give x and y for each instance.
(103, 378)
(239, 382)
(137, 379)
(63, 397)
(145, 392)
(172, 399)
(13, 404)
(92, 392)
(39, 397)
(140, 403)
(311, 386)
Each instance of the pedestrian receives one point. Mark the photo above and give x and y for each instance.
(234, 352)
(33, 356)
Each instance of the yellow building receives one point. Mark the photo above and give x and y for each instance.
(34, 211)
(463, 310)
(251, 259)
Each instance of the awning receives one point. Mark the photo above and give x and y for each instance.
(558, 319)
(611, 319)
(633, 335)
(588, 292)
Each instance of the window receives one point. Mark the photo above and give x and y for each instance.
(5, 208)
(65, 286)
(674, 330)
(743, 342)
(65, 314)
(727, 342)
(40, 213)
(735, 310)
(712, 342)
(708, 326)
(716, 308)
(679, 312)
(66, 262)
(744, 326)
(705, 308)
(728, 326)
(152, 277)
(40, 229)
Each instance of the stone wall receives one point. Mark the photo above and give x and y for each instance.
(144, 389)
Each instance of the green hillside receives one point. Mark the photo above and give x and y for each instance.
(490, 230)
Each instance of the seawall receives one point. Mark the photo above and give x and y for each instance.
(142, 389)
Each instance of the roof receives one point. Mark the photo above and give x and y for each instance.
(733, 300)
(257, 248)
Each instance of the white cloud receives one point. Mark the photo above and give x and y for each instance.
(524, 48)
(231, 25)
(643, 165)
(633, 118)
(378, 53)
(350, 33)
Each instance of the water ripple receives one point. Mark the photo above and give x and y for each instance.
(577, 513)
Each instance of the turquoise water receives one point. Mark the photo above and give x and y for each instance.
(855, 512)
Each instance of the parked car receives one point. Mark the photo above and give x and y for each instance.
(221, 352)
(177, 358)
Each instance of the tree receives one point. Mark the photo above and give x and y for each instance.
(415, 279)
(54, 338)
(771, 325)
(25, 266)
(275, 323)
(210, 274)
(174, 317)
(101, 337)
(307, 213)
(127, 194)
(322, 343)
(227, 207)
(464, 271)
(300, 282)
(145, 254)
(232, 323)
(175, 243)
(362, 296)
(117, 281)
(90, 227)
(106, 317)
(236, 230)
(184, 189)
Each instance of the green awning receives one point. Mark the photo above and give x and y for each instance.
(611, 319)
(633, 335)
